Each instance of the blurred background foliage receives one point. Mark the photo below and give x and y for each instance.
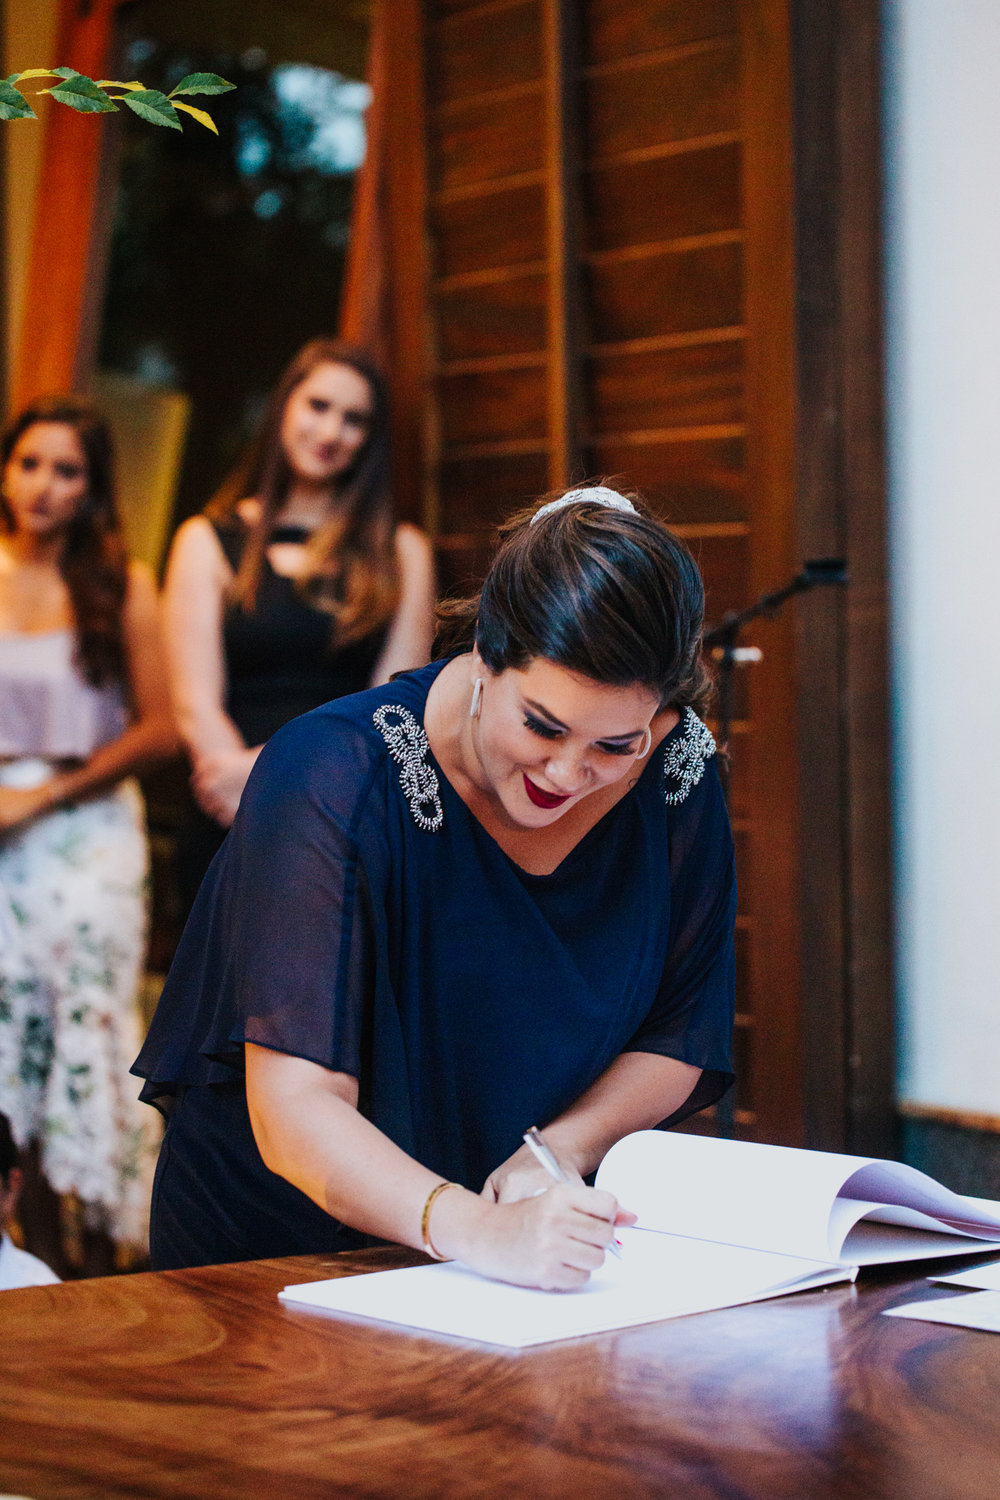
(227, 253)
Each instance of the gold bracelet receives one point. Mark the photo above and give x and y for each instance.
(425, 1219)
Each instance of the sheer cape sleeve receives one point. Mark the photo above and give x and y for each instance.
(278, 948)
(691, 1018)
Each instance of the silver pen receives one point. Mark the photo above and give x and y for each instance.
(546, 1157)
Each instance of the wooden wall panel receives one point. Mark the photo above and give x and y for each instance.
(674, 195)
(698, 384)
(488, 227)
(645, 291)
(844, 699)
(491, 317)
(484, 48)
(739, 780)
(619, 28)
(772, 748)
(662, 97)
(436, 9)
(475, 140)
(475, 493)
(725, 565)
(491, 407)
(698, 481)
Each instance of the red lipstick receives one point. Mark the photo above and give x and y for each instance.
(543, 799)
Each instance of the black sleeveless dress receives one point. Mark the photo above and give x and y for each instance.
(279, 663)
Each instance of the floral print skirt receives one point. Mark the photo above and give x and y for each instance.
(73, 919)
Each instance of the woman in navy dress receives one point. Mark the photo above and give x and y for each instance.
(496, 892)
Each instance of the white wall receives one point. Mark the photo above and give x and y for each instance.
(943, 96)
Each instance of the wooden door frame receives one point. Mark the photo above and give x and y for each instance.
(842, 636)
(772, 750)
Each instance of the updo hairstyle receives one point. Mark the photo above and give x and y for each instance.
(611, 594)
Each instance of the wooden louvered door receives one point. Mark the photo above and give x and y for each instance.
(609, 292)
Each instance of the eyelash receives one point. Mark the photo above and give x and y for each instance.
(547, 732)
(537, 727)
(356, 418)
(64, 471)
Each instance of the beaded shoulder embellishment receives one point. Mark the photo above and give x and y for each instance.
(407, 744)
(684, 762)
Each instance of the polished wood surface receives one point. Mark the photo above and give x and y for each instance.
(200, 1383)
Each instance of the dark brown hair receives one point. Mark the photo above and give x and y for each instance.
(93, 560)
(351, 570)
(607, 593)
(9, 1156)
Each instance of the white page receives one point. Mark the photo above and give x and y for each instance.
(893, 1182)
(986, 1277)
(977, 1310)
(872, 1234)
(777, 1198)
(658, 1277)
(873, 1243)
(772, 1197)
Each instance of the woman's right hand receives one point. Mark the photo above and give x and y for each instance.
(218, 780)
(18, 805)
(553, 1241)
(308, 1129)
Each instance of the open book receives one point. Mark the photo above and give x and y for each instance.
(720, 1223)
(856, 1210)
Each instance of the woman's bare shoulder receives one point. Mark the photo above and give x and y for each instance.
(413, 547)
(196, 549)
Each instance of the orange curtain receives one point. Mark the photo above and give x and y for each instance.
(46, 358)
(364, 303)
(385, 292)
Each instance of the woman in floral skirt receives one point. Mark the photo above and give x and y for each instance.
(82, 707)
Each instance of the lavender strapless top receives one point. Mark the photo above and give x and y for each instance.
(46, 706)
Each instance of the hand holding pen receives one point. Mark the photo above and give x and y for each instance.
(546, 1157)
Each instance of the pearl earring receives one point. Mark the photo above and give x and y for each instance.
(647, 740)
(476, 706)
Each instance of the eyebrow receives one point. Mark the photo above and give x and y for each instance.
(608, 739)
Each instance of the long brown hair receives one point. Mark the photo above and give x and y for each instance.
(611, 594)
(92, 561)
(351, 567)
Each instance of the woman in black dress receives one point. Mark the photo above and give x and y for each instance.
(296, 586)
(495, 893)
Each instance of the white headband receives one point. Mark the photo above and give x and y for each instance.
(597, 494)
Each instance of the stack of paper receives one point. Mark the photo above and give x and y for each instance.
(980, 1310)
(658, 1276)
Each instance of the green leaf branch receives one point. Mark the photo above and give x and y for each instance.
(90, 98)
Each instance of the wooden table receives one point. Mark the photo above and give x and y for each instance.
(199, 1383)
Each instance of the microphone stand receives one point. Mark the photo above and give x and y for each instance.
(723, 640)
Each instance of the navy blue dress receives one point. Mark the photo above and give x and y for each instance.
(359, 916)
